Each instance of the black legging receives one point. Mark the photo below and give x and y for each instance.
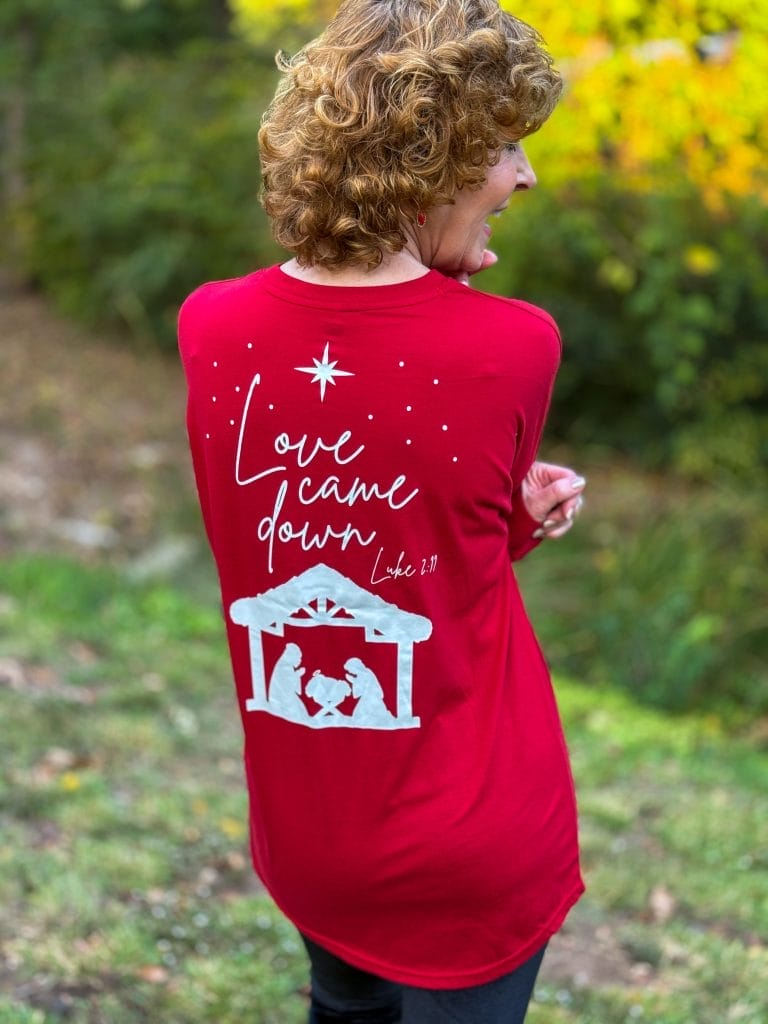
(342, 994)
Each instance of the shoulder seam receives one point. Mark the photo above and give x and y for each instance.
(524, 307)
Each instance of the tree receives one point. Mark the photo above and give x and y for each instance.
(658, 92)
(285, 24)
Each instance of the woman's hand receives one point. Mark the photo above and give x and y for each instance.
(553, 496)
(463, 276)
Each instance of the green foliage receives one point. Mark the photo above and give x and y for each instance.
(663, 307)
(162, 26)
(669, 605)
(105, 28)
(139, 194)
(286, 24)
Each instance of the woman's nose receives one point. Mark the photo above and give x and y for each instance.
(526, 178)
(525, 175)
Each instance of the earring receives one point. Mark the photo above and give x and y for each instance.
(421, 218)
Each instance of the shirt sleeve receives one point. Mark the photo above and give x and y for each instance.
(520, 524)
(521, 528)
(189, 331)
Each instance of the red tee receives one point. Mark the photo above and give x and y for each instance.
(358, 454)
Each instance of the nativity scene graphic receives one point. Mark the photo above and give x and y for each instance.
(370, 684)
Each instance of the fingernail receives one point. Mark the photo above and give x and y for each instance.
(549, 523)
(538, 533)
(578, 482)
(570, 514)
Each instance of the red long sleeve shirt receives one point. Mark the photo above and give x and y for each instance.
(359, 453)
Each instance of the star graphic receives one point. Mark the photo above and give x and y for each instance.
(324, 371)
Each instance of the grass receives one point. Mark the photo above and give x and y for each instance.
(126, 893)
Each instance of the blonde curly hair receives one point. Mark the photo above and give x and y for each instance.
(396, 106)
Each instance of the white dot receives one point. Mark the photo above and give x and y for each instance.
(445, 426)
(435, 381)
(215, 363)
(370, 415)
(250, 344)
(271, 406)
(207, 437)
(213, 398)
(401, 363)
(408, 408)
(455, 458)
(231, 423)
(409, 441)
(237, 387)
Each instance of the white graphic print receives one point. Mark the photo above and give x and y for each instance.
(367, 688)
(323, 597)
(285, 684)
(314, 456)
(328, 693)
(324, 371)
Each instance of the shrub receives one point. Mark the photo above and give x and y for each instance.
(669, 605)
(148, 186)
(663, 307)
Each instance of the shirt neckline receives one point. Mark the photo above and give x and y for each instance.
(351, 297)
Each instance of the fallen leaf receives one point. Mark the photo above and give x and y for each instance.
(662, 904)
(153, 973)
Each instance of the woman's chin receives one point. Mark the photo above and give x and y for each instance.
(465, 267)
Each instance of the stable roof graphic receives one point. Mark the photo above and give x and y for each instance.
(321, 596)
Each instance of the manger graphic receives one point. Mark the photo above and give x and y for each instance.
(306, 694)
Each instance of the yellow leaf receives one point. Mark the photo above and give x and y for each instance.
(232, 828)
(69, 781)
(701, 260)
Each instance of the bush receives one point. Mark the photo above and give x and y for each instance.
(669, 605)
(663, 307)
(148, 186)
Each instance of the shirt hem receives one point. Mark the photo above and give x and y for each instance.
(453, 980)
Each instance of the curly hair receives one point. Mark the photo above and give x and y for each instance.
(396, 106)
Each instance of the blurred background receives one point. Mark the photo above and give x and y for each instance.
(129, 175)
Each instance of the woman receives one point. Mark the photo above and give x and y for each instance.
(363, 429)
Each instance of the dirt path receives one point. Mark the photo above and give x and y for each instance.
(92, 450)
